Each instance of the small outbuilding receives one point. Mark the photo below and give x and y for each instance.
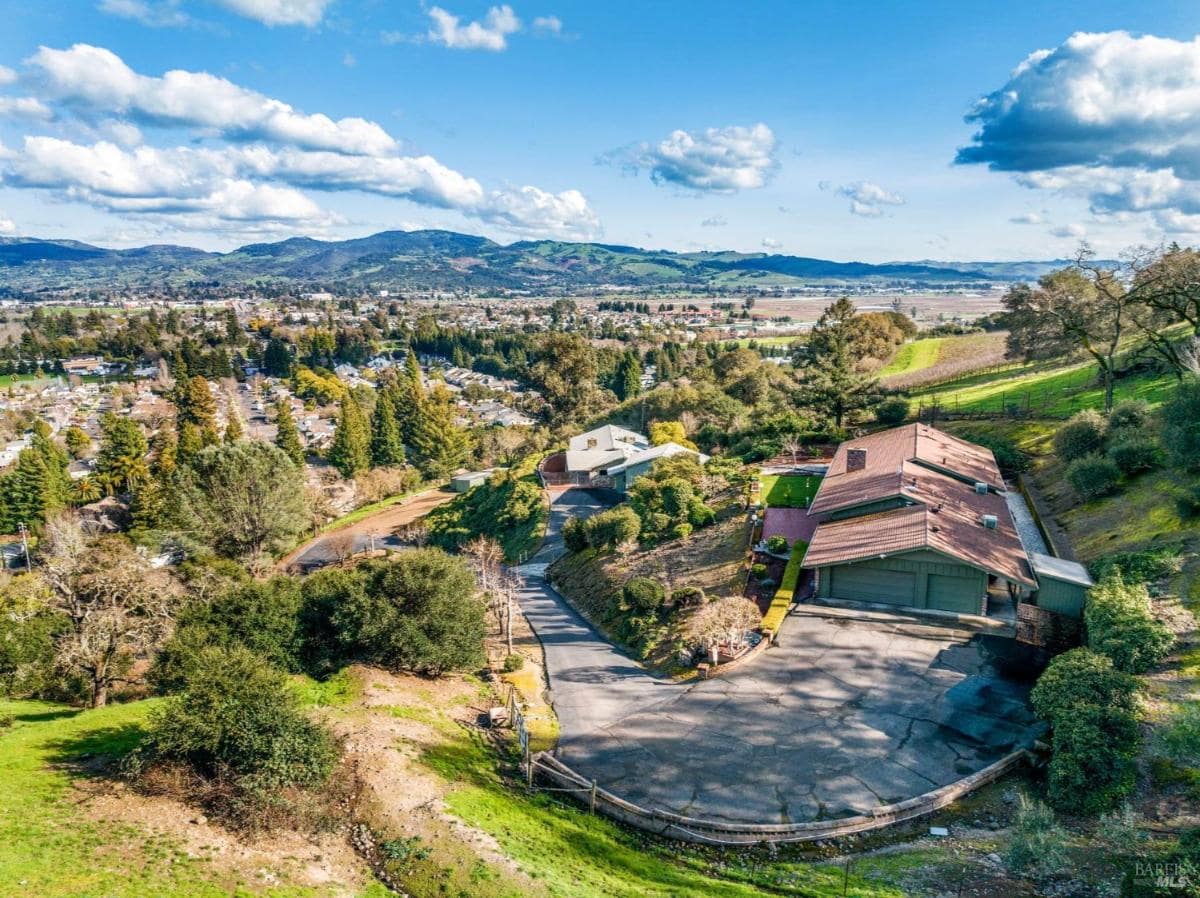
(460, 483)
(1062, 585)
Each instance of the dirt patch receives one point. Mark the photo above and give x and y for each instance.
(261, 861)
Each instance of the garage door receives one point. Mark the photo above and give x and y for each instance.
(864, 584)
(958, 594)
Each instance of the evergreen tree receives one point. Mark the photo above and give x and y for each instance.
(191, 441)
(38, 485)
(832, 383)
(439, 445)
(629, 377)
(121, 462)
(234, 430)
(387, 445)
(408, 398)
(277, 358)
(149, 505)
(351, 449)
(166, 451)
(287, 437)
(197, 406)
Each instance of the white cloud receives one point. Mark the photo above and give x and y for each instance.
(548, 24)
(1072, 231)
(1109, 117)
(272, 153)
(490, 34)
(164, 14)
(187, 179)
(1030, 218)
(278, 12)
(25, 107)
(771, 243)
(867, 198)
(7, 226)
(714, 221)
(716, 160)
(7, 75)
(97, 80)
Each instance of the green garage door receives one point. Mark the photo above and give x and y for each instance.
(958, 594)
(865, 584)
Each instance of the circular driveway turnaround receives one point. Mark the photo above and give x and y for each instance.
(841, 716)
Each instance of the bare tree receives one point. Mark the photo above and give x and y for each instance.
(792, 446)
(726, 621)
(485, 555)
(116, 605)
(341, 545)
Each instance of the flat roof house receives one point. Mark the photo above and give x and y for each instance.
(609, 456)
(916, 518)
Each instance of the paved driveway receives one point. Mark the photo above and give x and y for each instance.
(843, 715)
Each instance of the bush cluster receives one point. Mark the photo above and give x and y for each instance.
(1099, 450)
(1093, 476)
(892, 411)
(1121, 625)
(1090, 706)
(506, 508)
(602, 531)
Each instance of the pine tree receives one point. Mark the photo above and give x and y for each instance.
(387, 445)
(166, 451)
(408, 398)
(38, 485)
(351, 449)
(287, 437)
(191, 442)
(439, 445)
(234, 430)
(629, 377)
(197, 406)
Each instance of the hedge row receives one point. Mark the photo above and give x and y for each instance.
(783, 597)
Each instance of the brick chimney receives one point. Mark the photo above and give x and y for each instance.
(856, 460)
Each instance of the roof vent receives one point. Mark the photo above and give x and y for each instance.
(990, 521)
(981, 488)
(856, 459)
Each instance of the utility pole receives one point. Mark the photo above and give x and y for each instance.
(508, 624)
(23, 530)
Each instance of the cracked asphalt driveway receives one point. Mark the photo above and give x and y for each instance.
(843, 715)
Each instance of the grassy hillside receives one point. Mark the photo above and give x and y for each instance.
(53, 846)
(935, 359)
(1045, 390)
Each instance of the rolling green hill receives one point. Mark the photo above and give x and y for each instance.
(447, 260)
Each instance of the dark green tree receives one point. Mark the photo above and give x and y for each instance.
(350, 452)
(121, 461)
(387, 442)
(287, 437)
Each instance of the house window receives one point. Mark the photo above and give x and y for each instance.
(592, 443)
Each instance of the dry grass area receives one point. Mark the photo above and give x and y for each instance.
(956, 356)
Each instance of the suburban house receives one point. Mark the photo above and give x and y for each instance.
(915, 517)
(608, 456)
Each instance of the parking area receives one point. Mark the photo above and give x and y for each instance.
(843, 716)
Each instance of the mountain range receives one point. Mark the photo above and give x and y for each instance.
(445, 260)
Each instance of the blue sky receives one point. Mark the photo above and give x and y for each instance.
(824, 129)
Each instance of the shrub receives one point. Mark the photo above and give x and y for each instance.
(1129, 415)
(612, 528)
(1082, 435)
(1133, 454)
(1187, 502)
(688, 597)
(237, 716)
(1039, 845)
(777, 544)
(415, 611)
(1081, 677)
(513, 663)
(1093, 767)
(1090, 706)
(574, 535)
(1181, 425)
(1093, 476)
(1121, 626)
(1145, 566)
(758, 571)
(643, 595)
(892, 411)
(1179, 738)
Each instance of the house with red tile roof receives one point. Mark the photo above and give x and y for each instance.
(916, 518)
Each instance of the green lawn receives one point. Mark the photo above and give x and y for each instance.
(48, 846)
(788, 490)
(1057, 391)
(915, 356)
